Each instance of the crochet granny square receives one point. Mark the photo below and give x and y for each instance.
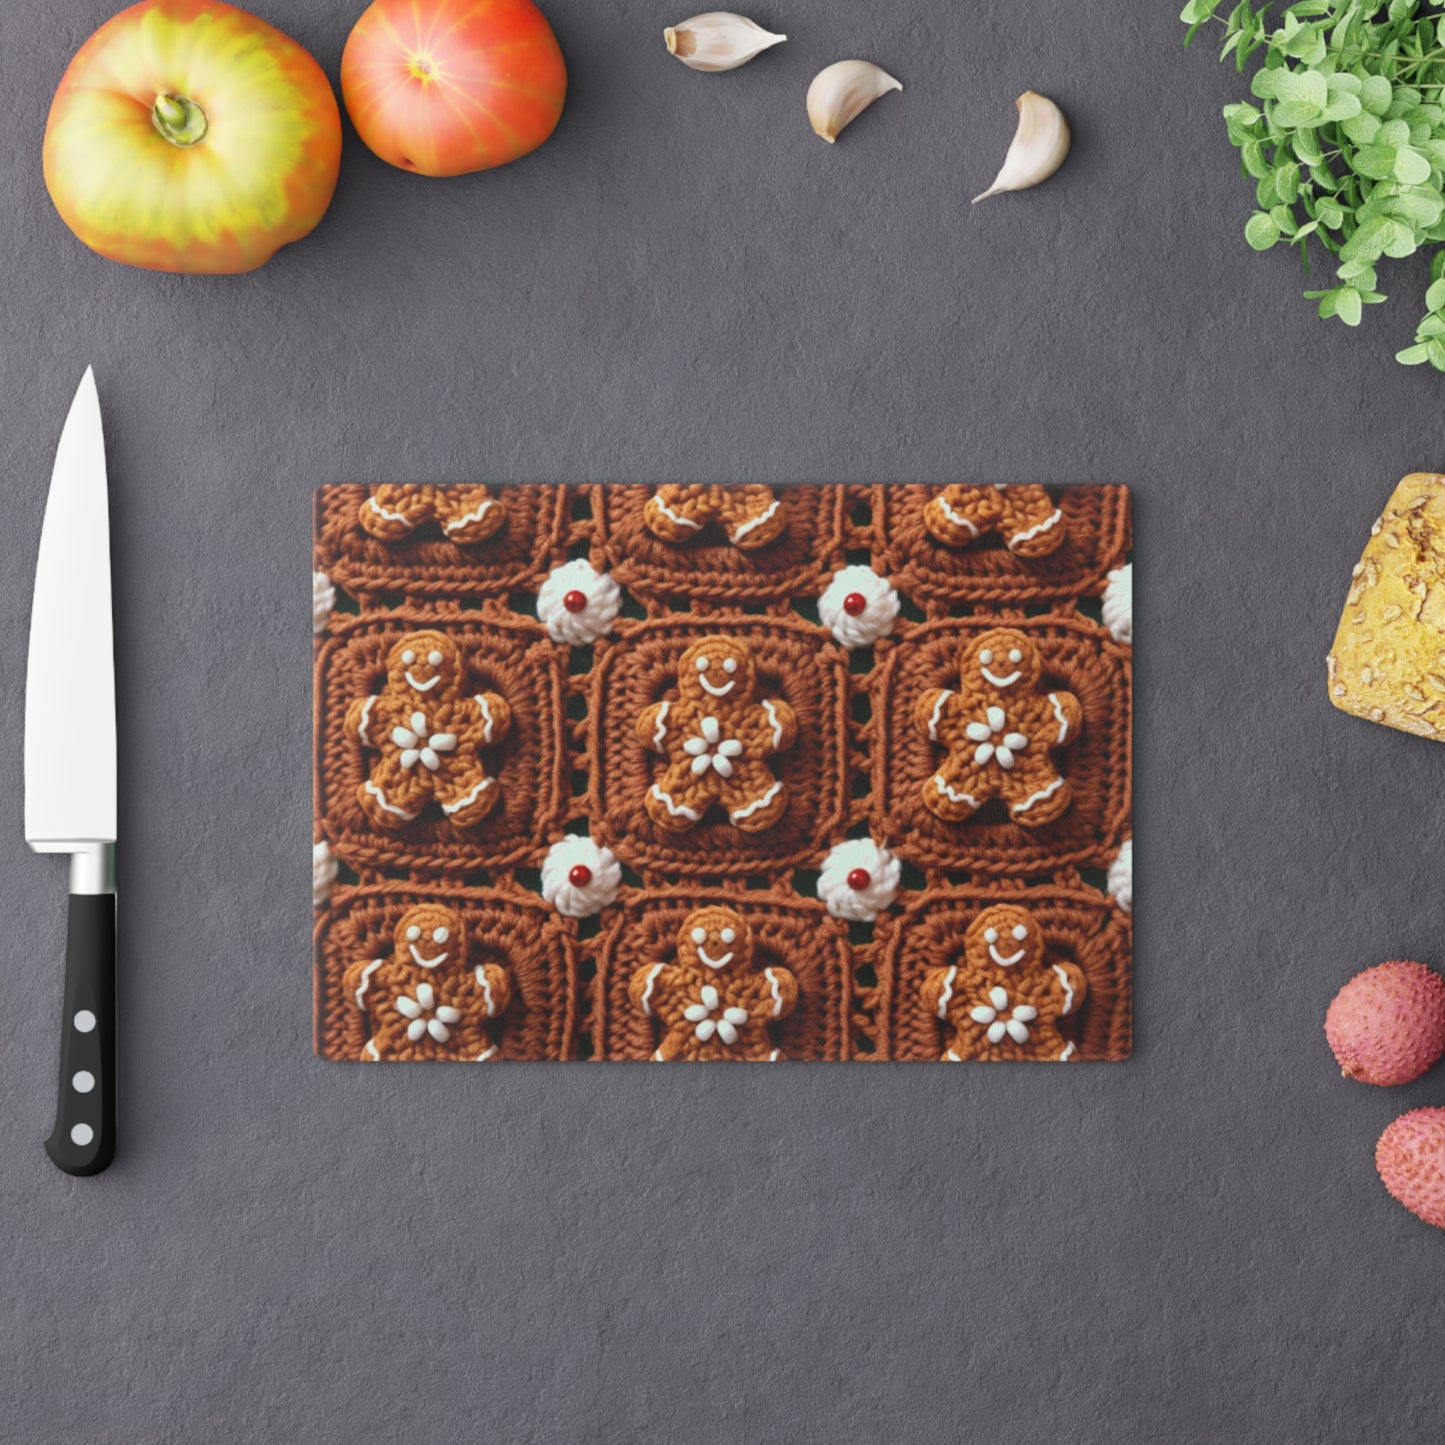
(722, 772)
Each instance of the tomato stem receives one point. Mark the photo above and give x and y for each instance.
(179, 119)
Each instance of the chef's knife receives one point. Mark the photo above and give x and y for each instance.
(70, 773)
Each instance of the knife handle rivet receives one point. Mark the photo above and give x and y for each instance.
(83, 1082)
(85, 1021)
(82, 1134)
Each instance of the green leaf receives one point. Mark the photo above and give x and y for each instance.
(1307, 147)
(1329, 213)
(1251, 154)
(1306, 86)
(1260, 231)
(1375, 94)
(1349, 308)
(1411, 167)
(1286, 182)
(1436, 352)
(1435, 296)
(1361, 129)
(1375, 161)
(1264, 82)
(1197, 11)
(1413, 355)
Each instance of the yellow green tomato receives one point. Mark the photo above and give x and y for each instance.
(187, 135)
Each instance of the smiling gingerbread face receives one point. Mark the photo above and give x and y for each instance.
(715, 939)
(1004, 659)
(1004, 937)
(715, 669)
(430, 936)
(424, 663)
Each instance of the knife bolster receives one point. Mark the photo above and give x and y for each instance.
(92, 868)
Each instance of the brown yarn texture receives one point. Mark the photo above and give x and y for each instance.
(572, 762)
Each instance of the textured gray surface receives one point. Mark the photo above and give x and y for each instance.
(685, 283)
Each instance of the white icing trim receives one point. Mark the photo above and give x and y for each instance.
(947, 994)
(661, 732)
(458, 523)
(1003, 962)
(657, 1057)
(943, 697)
(1038, 797)
(772, 713)
(485, 1054)
(1008, 681)
(387, 807)
(952, 796)
(712, 962)
(421, 686)
(957, 518)
(757, 803)
(772, 979)
(1034, 531)
(365, 720)
(949, 1057)
(480, 974)
(1068, 1053)
(487, 720)
(678, 810)
(722, 691)
(368, 1051)
(674, 517)
(745, 527)
(427, 962)
(460, 803)
(1068, 991)
(388, 516)
(366, 973)
(647, 988)
(775, 1056)
(1059, 713)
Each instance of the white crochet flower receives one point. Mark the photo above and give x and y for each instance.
(577, 603)
(725, 1026)
(858, 606)
(1121, 876)
(579, 878)
(992, 1014)
(416, 1009)
(323, 874)
(323, 601)
(1119, 603)
(859, 880)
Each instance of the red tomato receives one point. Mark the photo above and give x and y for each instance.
(442, 87)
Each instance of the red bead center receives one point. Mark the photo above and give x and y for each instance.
(854, 604)
(859, 879)
(575, 601)
(580, 876)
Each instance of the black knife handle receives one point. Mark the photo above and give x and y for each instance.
(83, 1141)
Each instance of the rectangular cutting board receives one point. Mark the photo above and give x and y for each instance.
(722, 772)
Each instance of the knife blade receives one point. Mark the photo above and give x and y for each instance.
(70, 772)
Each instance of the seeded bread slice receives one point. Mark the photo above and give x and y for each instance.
(1388, 660)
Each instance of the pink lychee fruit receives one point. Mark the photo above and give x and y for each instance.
(1387, 1024)
(1411, 1159)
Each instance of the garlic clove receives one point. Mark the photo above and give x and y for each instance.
(1038, 148)
(718, 40)
(843, 91)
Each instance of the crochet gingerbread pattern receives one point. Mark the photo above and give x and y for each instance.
(465, 514)
(429, 736)
(750, 515)
(423, 1001)
(1025, 517)
(717, 737)
(712, 1003)
(999, 731)
(1005, 1000)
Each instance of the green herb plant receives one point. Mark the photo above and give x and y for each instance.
(1347, 144)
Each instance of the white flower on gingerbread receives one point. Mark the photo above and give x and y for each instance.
(710, 1018)
(1015, 1026)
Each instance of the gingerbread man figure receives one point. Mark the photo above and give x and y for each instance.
(423, 1000)
(1005, 1000)
(712, 1003)
(717, 737)
(1025, 517)
(429, 735)
(750, 515)
(465, 514)
(999, 731)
